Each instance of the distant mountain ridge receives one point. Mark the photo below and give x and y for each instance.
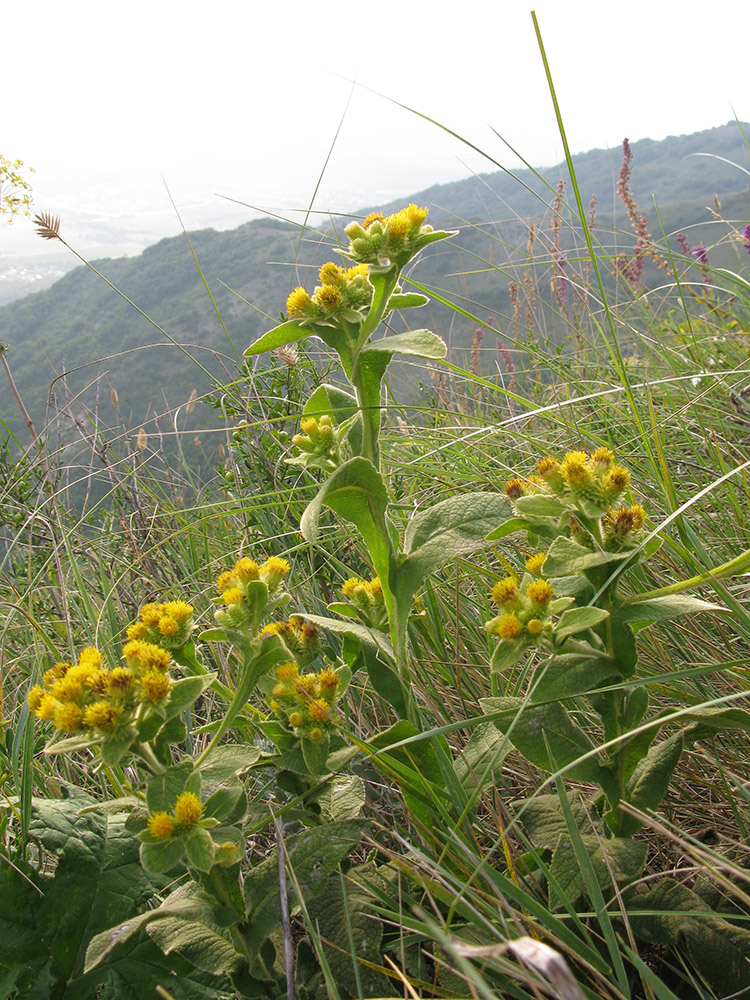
(81, 320)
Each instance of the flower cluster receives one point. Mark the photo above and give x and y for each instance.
(168, 625)
(622, 526)
(250, 591)
(341, 294)
(395, 238)
(318, 444)
(186, 813)
(365, 598)
(301, 638)
(306, 702)
(524, 607)
(88, 696)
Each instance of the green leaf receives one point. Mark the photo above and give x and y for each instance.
(576, 620)
(615, 862)
(507, 654)
(566, 557)
(315, 753)
(650, 781)
(285, 333)
(116, 744)
(406, 300)
(419, 343)
(226, 761)
(508, 527)
(162, 789)
(528, 726)
(711, 719)
(658, 609)
(481, 762)
(312, 855)
(200, 850)
(540, 505)
(203, 946)
(370, 637)
(185, 691)
(47, 923)
(162, 855)
(227, 801)
(452, 529)
(342, 798)
(357, 493)
(569, 674)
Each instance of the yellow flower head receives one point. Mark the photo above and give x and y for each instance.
(398, 226)
(375, 588)
(136, 631)
(331, 274)
(91, 656)
(416, 215)
(319, 710)
(351, 585)
(187, 808)
(233, 596)
(328, 680)
(548, 468)
(298, 303)
(535, 563)
(296, 719)
(179, 610)
(273, 628)
(161, 825)
(225, 580)
(309, 425)
(328, 296)
(287, 671)
(144, 656)
(120, 680)
(155, 686)
(273, 571)
(34, 697)
(81, 673)
(66, 689)
(539, 592)
(508, 627)
(150, 614)
(505, 592)
(617, 480)
(47, 707)
(168, 627)
(308, 686)
(372, 217)
(514, 489)
(246, 570)
(574, 468)
(280, 690)
(534, 627)
(101, 715)
(602, 458)
(68, 717)
(358, 271)
(55, 673)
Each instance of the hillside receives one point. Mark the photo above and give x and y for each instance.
(81, 326)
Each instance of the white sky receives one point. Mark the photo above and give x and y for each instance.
(244, 98)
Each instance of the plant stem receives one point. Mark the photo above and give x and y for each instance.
(149, 758)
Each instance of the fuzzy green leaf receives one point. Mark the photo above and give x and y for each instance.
(658, 609)
(576, 620)
(650, 781)
(185, 691)
(566, 557)
(418, 343)
(540, 505)
(285, 333)
(406, 300)
(570, 674)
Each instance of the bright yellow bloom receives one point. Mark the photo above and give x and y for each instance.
(328, 296)
(548, 467)
(398, 226)
(287, 671)
(534, 563)
(308, 425)
(145, 655)
(539, 592)
(91, 656)
(68, 717)
(246, 570)
(273, 570)
(351, 585)
(150, 614)
(178, 610)
(34, 697)
(187, 808)
(534, 627)
(328, 680)
(319, 710)
(233, 596)
(296, 719)
(155, 686)
(358, 271)
(508, 627)
(617, 479)
(280, 690)
(47, 707)
(602, 457)
(273, 628)
(331, 274)
(161, 825)
(415, 215)
(505, 592)
(307, 684)
(574, 468)
(136, 631)
(298, 303)
(120, 680)
(55, 673)
(168, 626)
(101, 715)
(372, 217)
(66, 689)
(224, 580)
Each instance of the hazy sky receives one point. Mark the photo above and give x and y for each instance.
(245, 98)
